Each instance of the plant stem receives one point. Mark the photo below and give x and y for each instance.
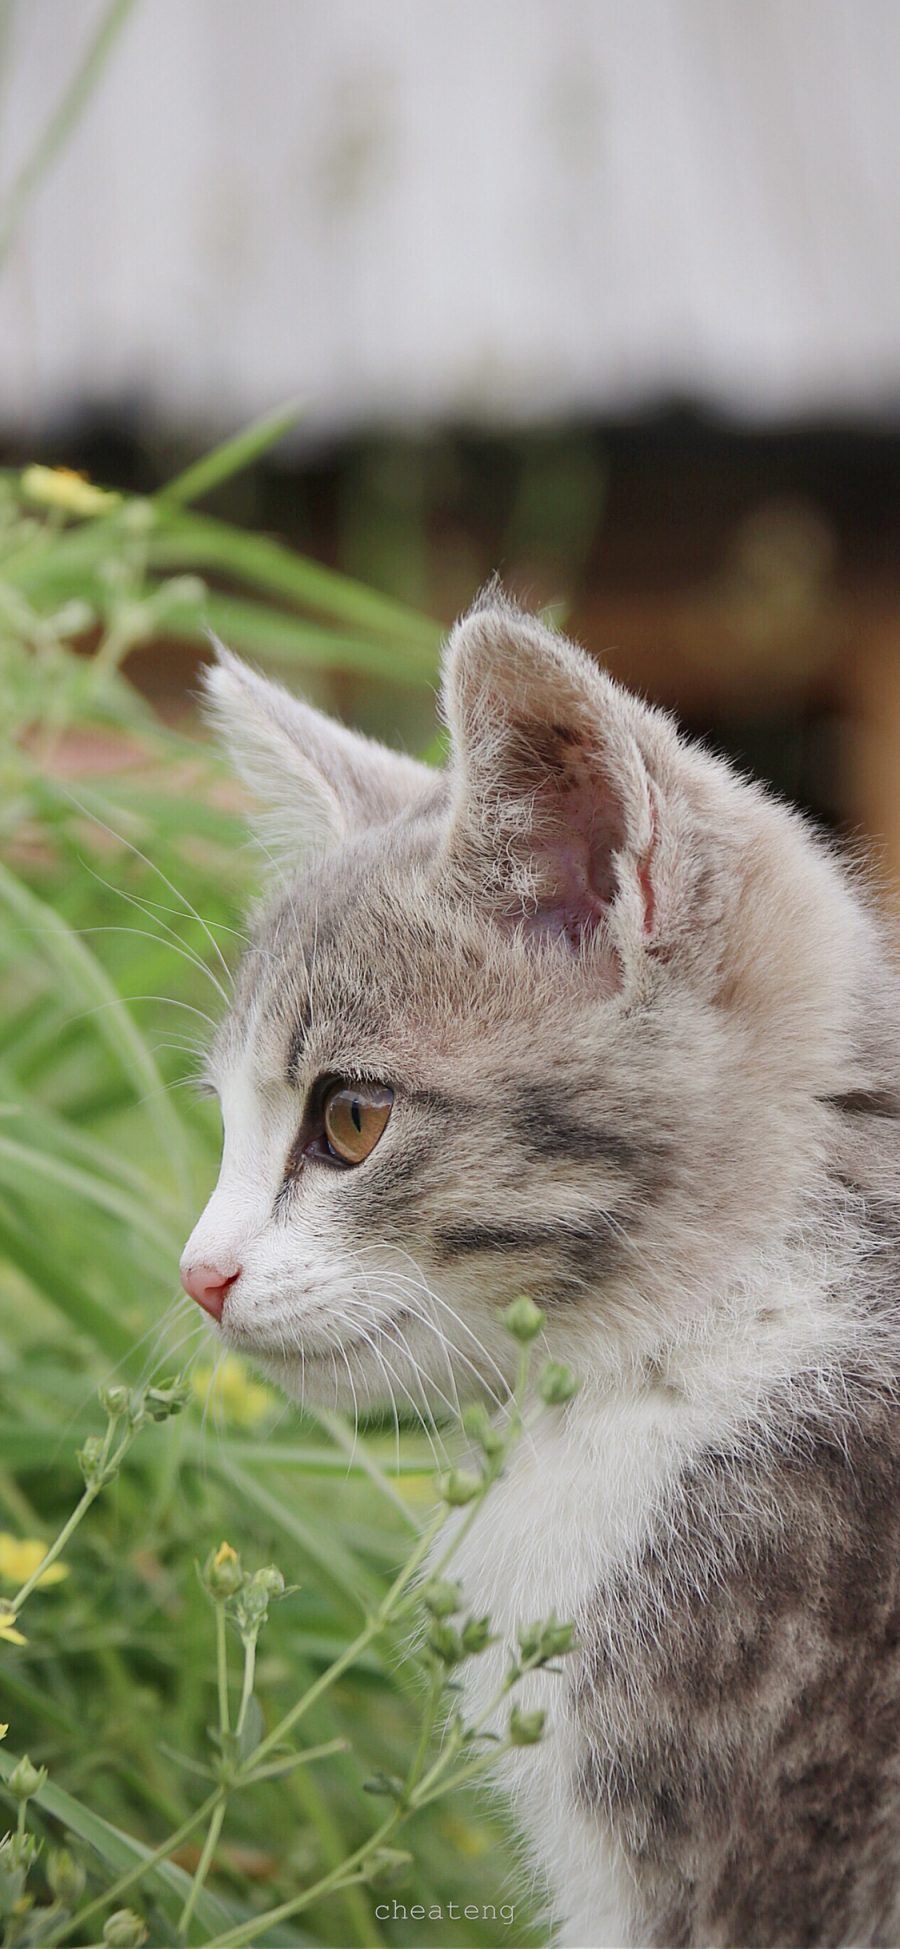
(462, 1778)
(79, 1512)
(219, 1809)
(134, 1873)
(222, 1666)
(388, 1609)
(428, 1720)
(277, 1769)
(247, 1687)
(56, 1549)
(204, 1863)
(341, 1877)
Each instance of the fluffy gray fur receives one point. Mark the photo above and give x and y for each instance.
(639, 1023)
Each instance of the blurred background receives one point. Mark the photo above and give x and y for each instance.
(605, 298)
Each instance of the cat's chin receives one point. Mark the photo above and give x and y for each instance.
(351, 1379)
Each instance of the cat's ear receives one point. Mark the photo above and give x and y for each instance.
(317, 783)
(556, 810)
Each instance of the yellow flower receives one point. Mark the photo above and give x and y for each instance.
(3, 1731)
(224, 1554)
(417, 1487)
(71, 493)
(230, 1389)
(465, 1837)
(8, 1631)
(19, 1559)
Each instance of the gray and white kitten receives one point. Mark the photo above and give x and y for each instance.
(592, 1018)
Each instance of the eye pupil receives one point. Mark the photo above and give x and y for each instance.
(354, 1119)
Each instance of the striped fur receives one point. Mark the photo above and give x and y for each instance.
(639, 1024)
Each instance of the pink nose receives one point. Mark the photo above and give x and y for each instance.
(208, 1284)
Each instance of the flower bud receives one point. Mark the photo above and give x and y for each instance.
(26, 1779)
(476, 1635)
(134, 622)
(222, 1573)
(114, 1401)
(477, 1423)
(250, 1608)
(167, 1399)
(523, 1320)
(526, 1728)
(66, 1876)
(459, 1487)
(388, 1784)
(181, 589)
(441, 1597)
(90, 1462)
(540, 1642)
(138, 516)
(268, 1580)
(445, 1642)
(61, 487)
(73, 618)
(124, 1930)
(558, 1638)
(387, 1865)
(557, 1383)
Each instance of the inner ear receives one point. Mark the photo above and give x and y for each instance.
(554, 822)
(578, 833)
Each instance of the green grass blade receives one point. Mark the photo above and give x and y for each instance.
(119, 1851)
(88, 983)
(63, 120)
(279, 637)
(198, 541)
(229, 458)
(27, 1171)
(321, 1546)
(23, 1248)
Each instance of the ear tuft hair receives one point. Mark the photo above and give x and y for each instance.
(316, 781)
(257, 723)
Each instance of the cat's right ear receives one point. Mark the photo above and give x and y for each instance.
(316, 782)
(563, 819)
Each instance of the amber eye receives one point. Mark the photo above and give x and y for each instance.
(354, 1116)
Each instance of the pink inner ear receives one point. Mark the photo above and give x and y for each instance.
(644, 874)
(579, 827)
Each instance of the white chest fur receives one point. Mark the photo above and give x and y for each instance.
(577, 1499)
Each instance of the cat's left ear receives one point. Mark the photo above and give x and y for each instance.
(561, 813)
(317, 783)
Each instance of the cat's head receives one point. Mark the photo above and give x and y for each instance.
(539, 1023)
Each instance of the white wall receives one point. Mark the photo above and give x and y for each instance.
(443, 207)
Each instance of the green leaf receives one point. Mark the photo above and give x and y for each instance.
(87, 982)
(230, 457)
(200, 543)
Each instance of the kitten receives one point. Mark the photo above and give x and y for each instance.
(592, 1018)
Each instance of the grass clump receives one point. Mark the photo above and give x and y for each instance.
(244, 1754)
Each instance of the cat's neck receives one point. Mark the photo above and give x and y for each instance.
(582, 1490)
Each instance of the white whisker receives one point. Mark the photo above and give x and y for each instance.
(88, 813)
